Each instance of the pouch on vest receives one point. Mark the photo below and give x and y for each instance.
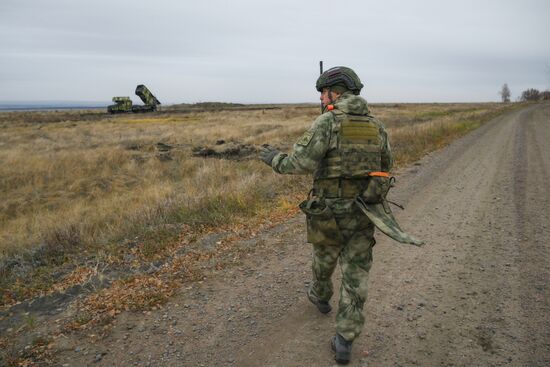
(322, 228)
(377, 189)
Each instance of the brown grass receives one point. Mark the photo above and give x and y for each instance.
(70, 187)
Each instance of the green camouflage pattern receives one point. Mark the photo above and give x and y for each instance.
(382, 217)
(146, 96)
(355, 254)
(322, 228)
(122, 104)
(339, 75)
(314, 144)
(122, 100)
(336, 225)
(359, 147)
(377, 189)
(343, 231)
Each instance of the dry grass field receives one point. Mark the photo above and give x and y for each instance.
(77, 185)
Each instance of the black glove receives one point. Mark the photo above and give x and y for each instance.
(267, 153)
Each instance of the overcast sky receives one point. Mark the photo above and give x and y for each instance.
(256, 51)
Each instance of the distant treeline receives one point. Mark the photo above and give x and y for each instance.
(533, 94)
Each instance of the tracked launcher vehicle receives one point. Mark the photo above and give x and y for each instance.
(124, 104)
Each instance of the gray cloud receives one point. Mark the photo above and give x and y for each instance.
(267, 51)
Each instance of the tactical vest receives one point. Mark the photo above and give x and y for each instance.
(356, 150)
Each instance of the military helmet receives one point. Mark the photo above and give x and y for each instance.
(339, 75)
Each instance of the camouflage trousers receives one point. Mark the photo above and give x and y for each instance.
(353, 249)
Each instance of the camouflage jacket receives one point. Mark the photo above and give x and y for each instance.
(310, 149)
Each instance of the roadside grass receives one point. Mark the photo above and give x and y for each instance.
(411, 142)
(76, 192)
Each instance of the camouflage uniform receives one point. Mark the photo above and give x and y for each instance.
(346, 233)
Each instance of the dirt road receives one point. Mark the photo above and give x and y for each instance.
(476, 294)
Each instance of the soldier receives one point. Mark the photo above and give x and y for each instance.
(344, 148)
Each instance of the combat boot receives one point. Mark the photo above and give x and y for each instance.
(322, 306)
(341, 348)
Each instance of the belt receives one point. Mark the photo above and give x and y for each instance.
(345, 188)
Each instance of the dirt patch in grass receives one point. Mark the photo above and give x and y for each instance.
(227, 150)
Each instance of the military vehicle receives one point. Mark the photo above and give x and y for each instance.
(124, 104)
(151, 102)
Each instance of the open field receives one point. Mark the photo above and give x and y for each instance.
(78, 185)
(177, 281)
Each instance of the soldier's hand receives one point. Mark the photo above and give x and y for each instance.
(267, 153)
